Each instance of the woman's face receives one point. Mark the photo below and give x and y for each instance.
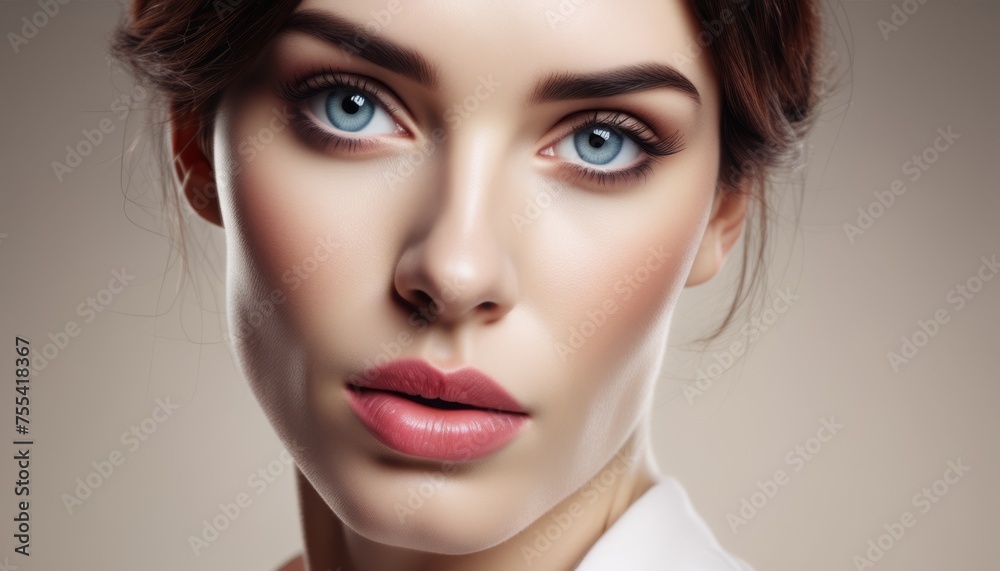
(527, 201)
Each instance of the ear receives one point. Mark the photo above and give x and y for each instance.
(724, 227)
(193, 169)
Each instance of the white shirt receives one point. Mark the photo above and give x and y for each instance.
(660, 532)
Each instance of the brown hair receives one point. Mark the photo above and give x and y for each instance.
(765, 53)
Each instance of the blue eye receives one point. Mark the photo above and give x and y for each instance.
(352, 111)
(598, 145)
(349, 111)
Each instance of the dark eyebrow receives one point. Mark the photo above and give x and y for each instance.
(626, 79)
(405, 61)
(354, 39)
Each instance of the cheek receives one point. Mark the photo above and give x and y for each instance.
(301, 259)
(618, 285)
(302, 227)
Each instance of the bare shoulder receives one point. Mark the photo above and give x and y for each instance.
(297, 564)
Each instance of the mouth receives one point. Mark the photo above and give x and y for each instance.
(437, 403)
(421, 411)
(417, 380)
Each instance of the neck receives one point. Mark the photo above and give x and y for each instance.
(581, 519)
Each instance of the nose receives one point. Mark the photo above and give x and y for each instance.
(457, 265)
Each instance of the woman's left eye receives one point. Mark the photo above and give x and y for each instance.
(600, 145)
(351, 111)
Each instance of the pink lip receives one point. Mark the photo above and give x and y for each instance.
(386, 398)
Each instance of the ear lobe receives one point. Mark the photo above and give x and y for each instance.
(194, 171)
(724, 228)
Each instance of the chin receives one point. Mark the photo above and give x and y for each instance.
(403, 507)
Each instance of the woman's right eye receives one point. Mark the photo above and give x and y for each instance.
(351, 112)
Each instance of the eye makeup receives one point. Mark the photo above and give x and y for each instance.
(327, 138)
(600, 131)
(625, 125)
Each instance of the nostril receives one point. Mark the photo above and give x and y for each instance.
(414, 299)
(423, 299)
(423, 302)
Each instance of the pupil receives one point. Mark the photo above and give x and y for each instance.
(598, 138)
(352, 104)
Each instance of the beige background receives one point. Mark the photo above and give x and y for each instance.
(824, 357)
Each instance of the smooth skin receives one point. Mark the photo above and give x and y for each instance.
(333, 265)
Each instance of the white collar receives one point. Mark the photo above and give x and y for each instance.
(660, 532)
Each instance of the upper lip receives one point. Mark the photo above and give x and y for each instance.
(467, 385)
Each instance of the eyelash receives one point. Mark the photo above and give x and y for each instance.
(654, 148)
(326, 79)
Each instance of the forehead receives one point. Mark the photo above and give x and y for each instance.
(521, 41)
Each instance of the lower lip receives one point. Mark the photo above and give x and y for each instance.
(419, 430)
